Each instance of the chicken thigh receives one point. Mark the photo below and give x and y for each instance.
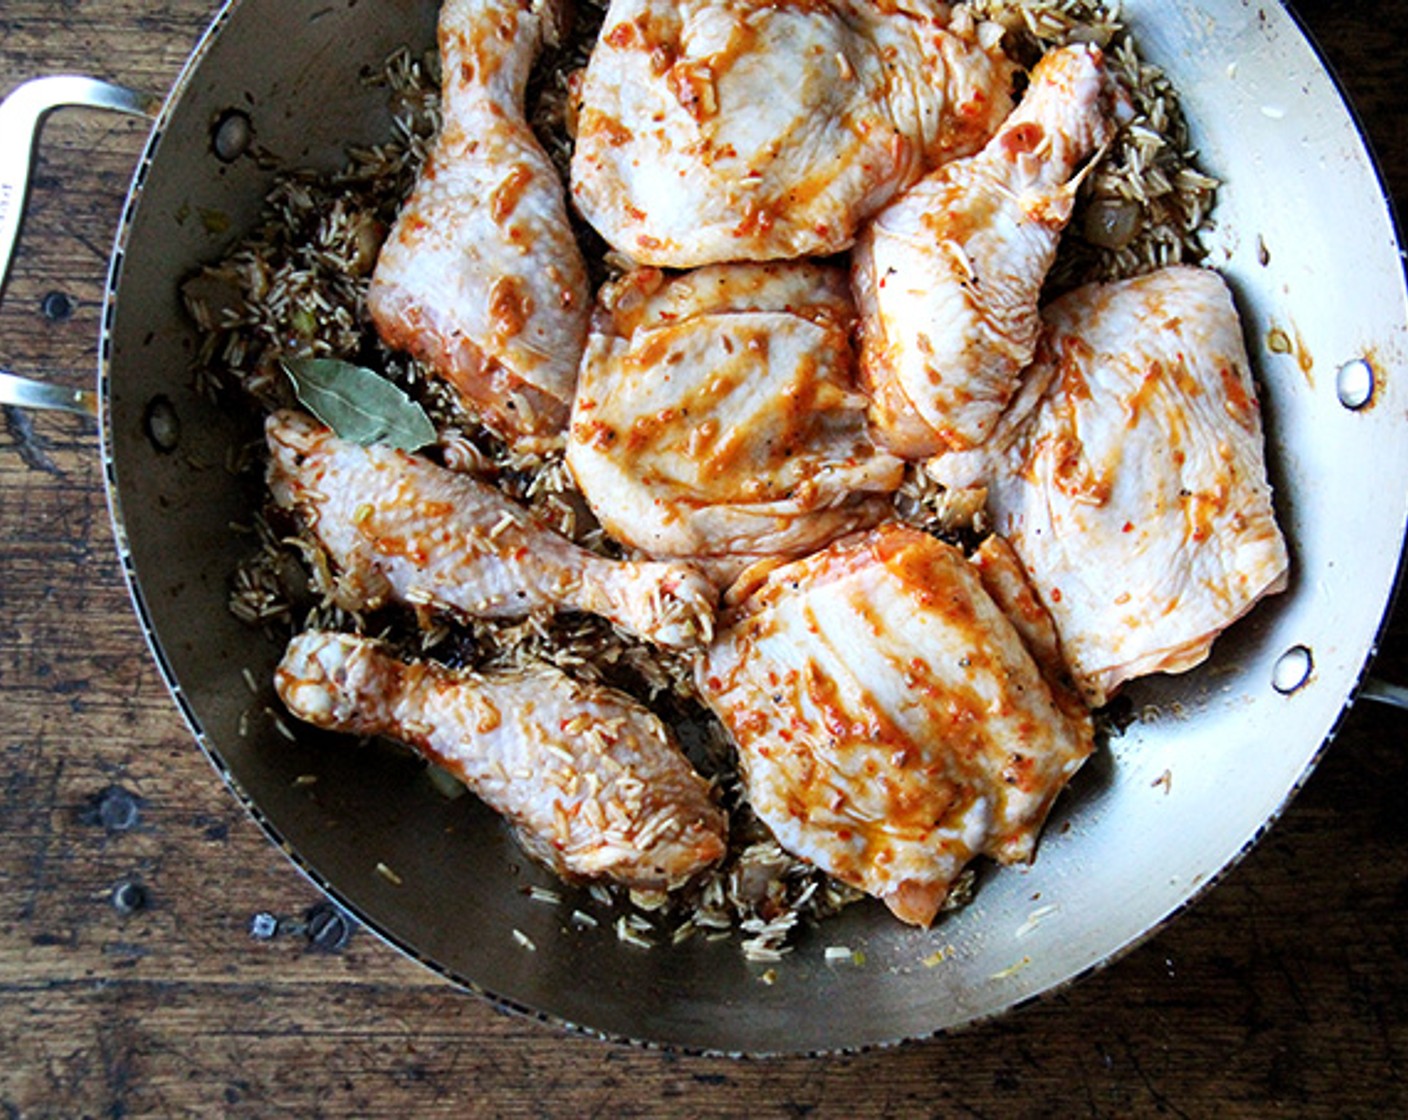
(717, 416)
(1129, 476)
(889, 721)
(398, 527)
(947, 277)
(725, 130)
(592, 781)
(481, 276)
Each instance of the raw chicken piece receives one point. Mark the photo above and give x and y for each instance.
(717, 416)
(723, 130)
(1129, 476)
(947, 277)
(890, 723)
(1007, 583)
(593, 781)
(481, 276)
(396, 526)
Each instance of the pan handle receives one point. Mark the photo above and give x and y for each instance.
(22, 114)
(1394, 695)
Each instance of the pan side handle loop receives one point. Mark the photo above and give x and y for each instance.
(22, 114)
(1394, 695)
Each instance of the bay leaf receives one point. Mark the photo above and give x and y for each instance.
(358, 404)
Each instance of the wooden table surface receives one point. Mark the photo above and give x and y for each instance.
(130, 983)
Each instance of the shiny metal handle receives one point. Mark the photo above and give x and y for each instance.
(1385, 693)
(21, 115)
(24, 393)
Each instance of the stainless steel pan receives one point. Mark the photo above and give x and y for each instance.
(1307, 239)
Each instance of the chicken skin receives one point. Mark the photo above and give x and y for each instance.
(717, 416)
(1129, 476)
(727, 130)
(890, 723)
(398, 527)
(593, 782)
(947, 277)
(481, 277)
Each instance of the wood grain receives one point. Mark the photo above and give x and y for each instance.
(1284, 992)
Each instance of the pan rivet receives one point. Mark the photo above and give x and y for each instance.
(1292, 670)
(1354, 383)
(230, 137)
(162, 424)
